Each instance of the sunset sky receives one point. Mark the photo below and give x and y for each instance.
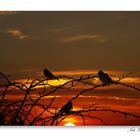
(75, 43)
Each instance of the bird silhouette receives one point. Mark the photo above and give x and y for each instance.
(106, 80)
(49, 75)
(66, 108)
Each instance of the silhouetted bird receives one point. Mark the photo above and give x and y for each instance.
(49, 75)
(106, 80)
(66, 108)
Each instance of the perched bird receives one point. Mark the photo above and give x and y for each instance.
(106, 80)
(49, 75)
(66, 108)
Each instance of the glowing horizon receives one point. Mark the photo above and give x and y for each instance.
(72, 44)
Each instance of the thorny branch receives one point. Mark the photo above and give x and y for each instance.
(20, 111)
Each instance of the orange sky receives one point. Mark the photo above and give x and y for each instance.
(74, 44)
(110, 97)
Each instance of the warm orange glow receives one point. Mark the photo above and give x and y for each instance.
(56, 82)
(47, 83)
(111, 97)
(88, 71)
(70, 121)
(113, 74)
(69, 124)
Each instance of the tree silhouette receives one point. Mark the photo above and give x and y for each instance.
(23, 111)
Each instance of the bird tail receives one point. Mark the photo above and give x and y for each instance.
(57, 78)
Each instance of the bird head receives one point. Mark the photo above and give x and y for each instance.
(100, 72)
(45, 69)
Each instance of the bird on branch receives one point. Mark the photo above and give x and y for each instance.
(104, 78)
(49, 75)
(66, 108)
